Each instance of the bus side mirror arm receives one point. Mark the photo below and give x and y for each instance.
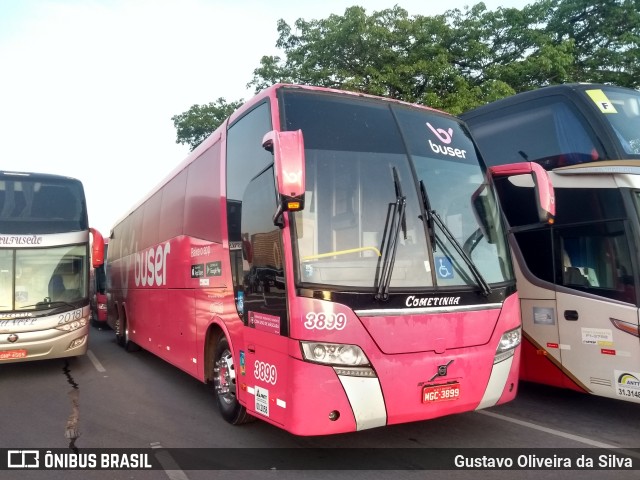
(289, 171)
(278, 217)
(545, 195)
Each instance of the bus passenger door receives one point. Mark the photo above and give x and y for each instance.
(541, 356)
(264, 362)
(598, 318)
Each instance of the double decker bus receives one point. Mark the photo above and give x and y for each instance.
(44, 267)
(329, 262)
(578, 278)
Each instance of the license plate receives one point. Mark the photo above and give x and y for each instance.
(13, 354)
(440, 393)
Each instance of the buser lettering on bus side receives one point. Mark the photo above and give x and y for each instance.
(151, 266)
(449, 151)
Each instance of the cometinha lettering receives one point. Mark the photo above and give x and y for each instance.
(413, 301)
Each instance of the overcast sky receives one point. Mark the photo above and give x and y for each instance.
(88, 87)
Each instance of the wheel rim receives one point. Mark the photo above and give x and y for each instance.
(225, 378)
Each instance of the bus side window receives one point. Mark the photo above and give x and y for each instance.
(572, 275)
(596, 259)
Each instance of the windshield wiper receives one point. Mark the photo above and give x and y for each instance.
(427, 208)
(394, 223)
(433, 216)
(49, 304)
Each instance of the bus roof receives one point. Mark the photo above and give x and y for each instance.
(562, 89)
(35, 176)
(267, 93)
(601, 167)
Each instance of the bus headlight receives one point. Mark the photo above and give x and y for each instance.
(72, 325)
(333, 353)
(508, 342)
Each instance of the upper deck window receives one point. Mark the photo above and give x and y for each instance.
(41, 205)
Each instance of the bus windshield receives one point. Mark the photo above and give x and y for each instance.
(34, 278)
(621, 109)
(41, 204)
(365, 158)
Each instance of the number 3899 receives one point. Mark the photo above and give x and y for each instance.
(325, 321)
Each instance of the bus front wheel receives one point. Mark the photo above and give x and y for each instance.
(225, 385)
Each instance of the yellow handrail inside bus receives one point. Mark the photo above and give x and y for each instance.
(341, 252)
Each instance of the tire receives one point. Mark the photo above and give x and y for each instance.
(118, 331)
(225, 386)
(122, 337)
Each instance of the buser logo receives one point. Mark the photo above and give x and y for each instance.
(445, 136)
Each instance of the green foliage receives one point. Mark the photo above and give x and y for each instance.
(606, 35)
(197, 123)
(453, 62)
(463, 58)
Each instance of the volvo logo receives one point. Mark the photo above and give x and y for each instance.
(442, 371)
(13, 338)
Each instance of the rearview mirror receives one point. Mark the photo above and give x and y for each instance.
(289, 170)
(97, 248)
(545, 195)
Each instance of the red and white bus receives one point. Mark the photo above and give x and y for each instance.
(578, 279)
(329, 261)
(44, 267)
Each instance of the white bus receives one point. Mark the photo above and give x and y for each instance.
(578, 278)
(44, 267)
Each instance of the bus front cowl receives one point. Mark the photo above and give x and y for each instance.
(344, 381)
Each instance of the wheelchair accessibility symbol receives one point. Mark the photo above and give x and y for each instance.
(444, 267)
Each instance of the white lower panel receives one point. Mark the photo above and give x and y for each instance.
(367, 402)
(497, 381)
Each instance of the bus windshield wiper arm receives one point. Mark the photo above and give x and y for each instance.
(46, 305)
(427, 208)
(394, 223)
(482, 283)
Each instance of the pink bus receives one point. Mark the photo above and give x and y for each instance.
(329, 262)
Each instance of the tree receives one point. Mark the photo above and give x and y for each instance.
(461, 59)
(606, 36)
(453, 62)
(387, 53)
(197, 123)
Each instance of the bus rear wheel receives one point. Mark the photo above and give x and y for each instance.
(122, 336)
(225, 385)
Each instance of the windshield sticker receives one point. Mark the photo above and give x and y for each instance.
(308, 271)
(601, 101)
(544, 316)
(21, 294)
(445, 136)
(444, 267)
